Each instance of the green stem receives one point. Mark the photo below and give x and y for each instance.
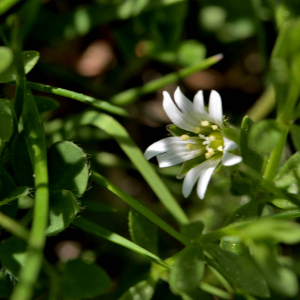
(141, 208)
(13, 227)
(133, 94)
(274, 159)
(79, 97)
(37, 150)
(214, 291)
(115, 238)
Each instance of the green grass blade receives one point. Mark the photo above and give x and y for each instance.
(133, 94)
(79, 97)
(117, 131)
(115, 238)
(137, 205)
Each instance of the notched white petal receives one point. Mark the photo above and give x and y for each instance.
(229, 159)
(199, 106)
(204, 171)
(175, 114)
(215, 108)
(205, 176)
(229, 144)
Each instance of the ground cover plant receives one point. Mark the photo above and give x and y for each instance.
(149, 149)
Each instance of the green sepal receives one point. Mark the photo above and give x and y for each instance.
(189, 164)
(176, 131)
(232, 134)
(30, 58)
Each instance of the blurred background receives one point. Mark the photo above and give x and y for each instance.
(103, 47)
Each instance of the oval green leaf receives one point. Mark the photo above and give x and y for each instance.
(68, 168)
(80, 280)
(63, 208)
(187, 270)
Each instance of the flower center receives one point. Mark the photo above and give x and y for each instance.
(213, 139)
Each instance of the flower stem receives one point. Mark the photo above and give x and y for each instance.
(79, 97)
(133, 94)
(36, 241)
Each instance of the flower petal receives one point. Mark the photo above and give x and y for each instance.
(186, 107)
(205, 178)
(229, 144)
(229, 159)
(177, 117)
(199, 106)
(203, 171)
(175, 156)
(215, 108)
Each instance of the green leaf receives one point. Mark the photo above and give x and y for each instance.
(30, 58)
(187, 269)
(6, 123)
(83, 280)
(238, 270)
(250, 157)
(21, 162)
(295, 135)
(13, 254)
(6, 58)
(281, 279)
(193, 230)
(143, 290)
(288, 176)
(143, 232)
(264, 136)
(68, 168)
(63, 208)
(45, 103)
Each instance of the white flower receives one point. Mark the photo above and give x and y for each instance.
(198, 140)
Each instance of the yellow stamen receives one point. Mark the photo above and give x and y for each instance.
(214, 127)
(211, 151)
(212, 138)
(185, 137)
(190, 146)
(204, 123)
(220, 148)
(197, 130)
(207, 155)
